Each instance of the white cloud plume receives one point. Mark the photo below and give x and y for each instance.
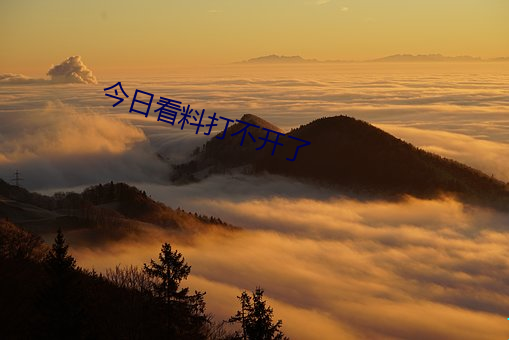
(61, 129)
(74, 146)
(72, 70)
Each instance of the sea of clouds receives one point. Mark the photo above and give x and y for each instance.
(331, 266)
(339, 268)
(456, 111)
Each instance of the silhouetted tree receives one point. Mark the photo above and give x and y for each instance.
(61, 298)
(58, 260)
(185, 314)
(255, 318)
(129, 277)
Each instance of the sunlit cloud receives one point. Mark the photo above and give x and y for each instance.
(18, 78)
(60, 129)
(473, 110)
(438, 265)
(488, 156)
(344, 264)
(71, 70)
(70, 146)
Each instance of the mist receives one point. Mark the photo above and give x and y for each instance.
(458, 111)
(387, 270)
(330, 265)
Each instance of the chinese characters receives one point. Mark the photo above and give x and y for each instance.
(171, 111)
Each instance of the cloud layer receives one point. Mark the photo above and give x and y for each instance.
(66, 146)
(18, 78)
(420, 269)
(485, 155)
(340, 268)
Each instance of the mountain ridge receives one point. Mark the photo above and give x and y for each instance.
(352, 156)
(116, 208)
(424, 58)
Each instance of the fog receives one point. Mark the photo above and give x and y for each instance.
(331, 266)
(341, 268)
(418, 103)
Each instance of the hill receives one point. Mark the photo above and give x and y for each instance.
(352, 156)
(115, 208)
(39, 302)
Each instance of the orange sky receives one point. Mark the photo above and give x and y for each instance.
(132, 35)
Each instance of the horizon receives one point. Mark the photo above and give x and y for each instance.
(260, 65)
(130, 34)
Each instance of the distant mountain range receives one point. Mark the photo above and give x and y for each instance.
(350, 155)
(277, 59)
(425, 58)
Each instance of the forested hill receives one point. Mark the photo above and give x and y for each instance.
(352, 156)
(117, 208)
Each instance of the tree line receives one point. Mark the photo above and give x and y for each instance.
(51, 297)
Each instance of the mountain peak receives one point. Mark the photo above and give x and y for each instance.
(352, 155)
(253, 119)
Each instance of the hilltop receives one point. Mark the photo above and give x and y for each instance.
(352, 156)
(116, 209)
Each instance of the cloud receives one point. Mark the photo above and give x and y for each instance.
(18, 78)
(344, 9)
(71, 70)
(420, 269)
(422, 99)
(322, 2)
(74, 146)
(487, 156)
(61, 129)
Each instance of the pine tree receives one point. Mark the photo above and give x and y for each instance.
(184, 313)
(58, 260)
(255, 317)
(241, 315)
(61, 299)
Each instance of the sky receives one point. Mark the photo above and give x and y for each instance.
(420, 269)
(139, 35)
